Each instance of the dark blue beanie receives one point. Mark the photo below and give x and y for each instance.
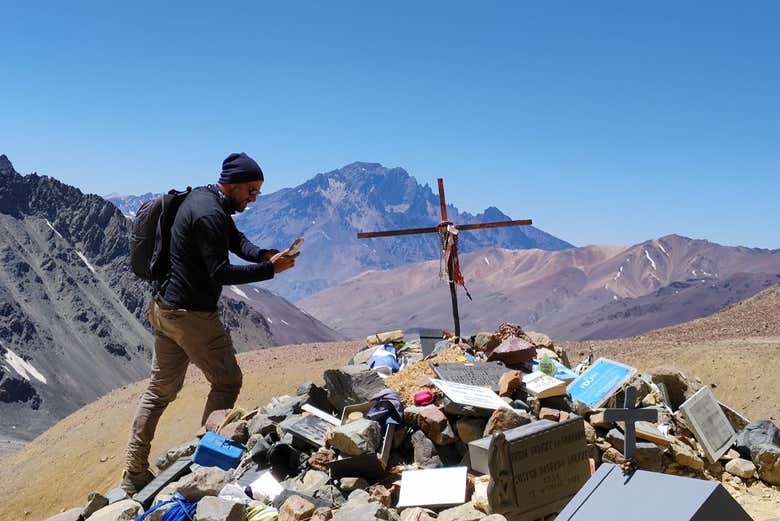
(240, 168)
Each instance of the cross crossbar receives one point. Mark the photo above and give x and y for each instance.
(451, 265)
(630, 415)
(434, 229)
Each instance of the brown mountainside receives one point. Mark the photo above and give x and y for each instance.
(756, 316)
(580, 293)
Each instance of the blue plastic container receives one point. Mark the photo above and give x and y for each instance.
(217, 451)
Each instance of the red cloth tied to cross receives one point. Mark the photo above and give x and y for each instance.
(450, 241)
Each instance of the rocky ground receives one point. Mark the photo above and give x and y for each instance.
(83, 453)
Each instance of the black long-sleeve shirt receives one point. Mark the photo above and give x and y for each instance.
(202, 234)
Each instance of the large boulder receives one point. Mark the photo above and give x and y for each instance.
(433, 422)
(315, 396)
(283, 407)
(95, 501)
(125, 510)
(185, 449)
(741, 468)
(424, 450)
(684, 455)
(464, 512)
(470, 429)
(261, 425)
(359, 508)
(212, 508)
(767, 460)
(352, 384)
(355, 438)
(204, 481)
(296, 508)
(504, 419)
(540, 340)
(310, 482)
(754, 435)
(486, 342)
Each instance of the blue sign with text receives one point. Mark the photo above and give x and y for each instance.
(599, 382)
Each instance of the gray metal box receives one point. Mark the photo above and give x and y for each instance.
(611, 495)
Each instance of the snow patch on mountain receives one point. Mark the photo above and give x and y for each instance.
(23, 367)
(85, 261)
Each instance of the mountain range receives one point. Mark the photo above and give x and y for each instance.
(593, 292)
(331, 208)
(72, 321)
(519, 274)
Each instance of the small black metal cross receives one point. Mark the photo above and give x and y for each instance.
(630, 415)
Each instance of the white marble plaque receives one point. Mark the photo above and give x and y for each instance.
(473, 395)
(708, 423)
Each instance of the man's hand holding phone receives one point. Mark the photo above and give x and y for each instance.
(285, 260)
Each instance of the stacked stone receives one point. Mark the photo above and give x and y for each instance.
(431, 436)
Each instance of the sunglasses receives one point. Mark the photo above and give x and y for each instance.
(253, 192)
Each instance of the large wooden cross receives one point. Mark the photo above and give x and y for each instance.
(446, 229)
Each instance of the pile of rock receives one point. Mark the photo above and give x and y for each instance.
(340, 451)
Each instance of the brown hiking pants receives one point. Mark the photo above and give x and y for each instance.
(181, 337)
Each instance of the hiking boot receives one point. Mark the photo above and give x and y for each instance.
(134, 482)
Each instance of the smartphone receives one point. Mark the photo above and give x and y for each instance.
(295, 246)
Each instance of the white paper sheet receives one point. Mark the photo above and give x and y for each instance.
(432, 487)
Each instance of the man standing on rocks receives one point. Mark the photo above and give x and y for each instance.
(187, 327)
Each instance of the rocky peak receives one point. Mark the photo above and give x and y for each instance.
(6, 168)
(364, 179)
(492, 213)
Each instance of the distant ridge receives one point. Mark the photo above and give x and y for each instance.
(591, 292)
(331, 208)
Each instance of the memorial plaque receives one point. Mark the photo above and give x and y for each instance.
(480, 397)
(535, 476)
(708, 423)
(176, 470)
(611, 495)
(478, 449)
(310, 429)
(482, 374)
(599, 382)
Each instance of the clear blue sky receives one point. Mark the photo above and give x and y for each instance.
(605, 122)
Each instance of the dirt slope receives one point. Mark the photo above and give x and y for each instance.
(737, 350)
(59, 468)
